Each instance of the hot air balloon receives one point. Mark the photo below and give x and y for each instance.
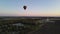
(24, 7)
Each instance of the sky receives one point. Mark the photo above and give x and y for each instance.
(34, 8)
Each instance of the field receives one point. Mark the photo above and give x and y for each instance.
(29, 25)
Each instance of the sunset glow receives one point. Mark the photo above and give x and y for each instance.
(34, 8)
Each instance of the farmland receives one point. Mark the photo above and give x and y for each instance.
(27, 24)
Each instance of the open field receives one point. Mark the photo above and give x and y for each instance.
(27, 25)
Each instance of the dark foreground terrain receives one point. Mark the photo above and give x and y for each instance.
(29, 25)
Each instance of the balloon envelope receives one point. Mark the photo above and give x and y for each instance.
(24, 7)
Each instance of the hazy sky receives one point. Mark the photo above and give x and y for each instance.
(34, 8)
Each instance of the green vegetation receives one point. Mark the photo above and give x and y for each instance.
(6, 25)
(29, 25)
